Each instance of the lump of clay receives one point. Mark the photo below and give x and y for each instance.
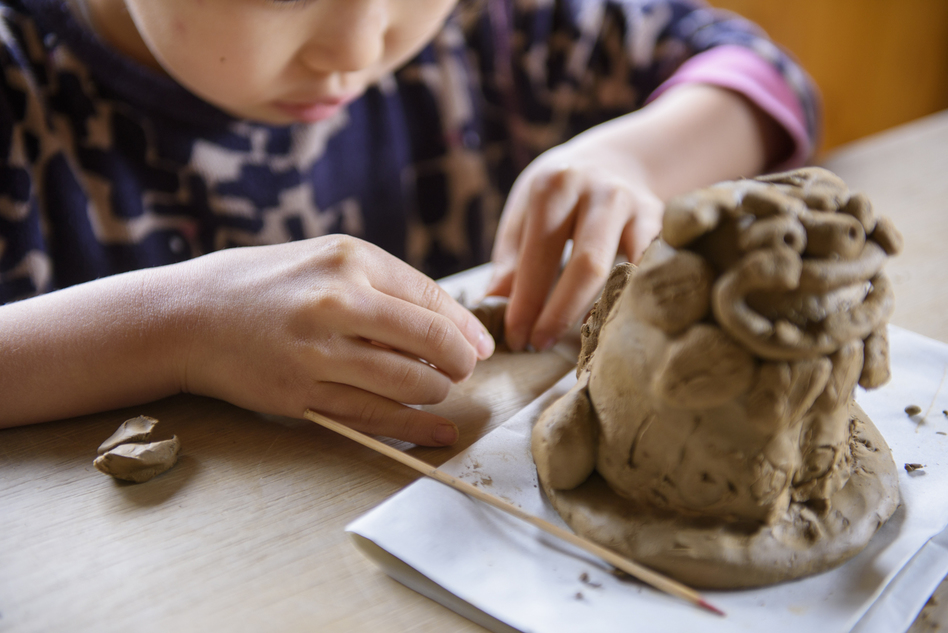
(128, 455)
(712, 433)
(490, 312)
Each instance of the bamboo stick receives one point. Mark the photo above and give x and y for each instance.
(646, 575)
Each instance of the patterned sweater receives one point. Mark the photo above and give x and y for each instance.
(107, 166)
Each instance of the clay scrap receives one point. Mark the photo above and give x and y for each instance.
(712, 433)
(129, 455)
(490, 312)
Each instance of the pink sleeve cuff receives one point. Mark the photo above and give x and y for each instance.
(740, 69)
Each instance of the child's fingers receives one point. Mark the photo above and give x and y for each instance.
(506, 247)
(388, 373)
(643, 229)
(548, 226)
(428, 336)
(501, 282)
(370, 413)
(601, 216)
(412, 332)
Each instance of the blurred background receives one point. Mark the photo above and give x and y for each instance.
(878, 63)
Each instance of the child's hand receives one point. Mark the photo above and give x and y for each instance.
(605, 190)
(333, 324)
(581, 191)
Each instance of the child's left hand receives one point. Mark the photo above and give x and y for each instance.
(605, 190)
(578, 191)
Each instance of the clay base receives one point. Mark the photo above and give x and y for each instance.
(722, 556)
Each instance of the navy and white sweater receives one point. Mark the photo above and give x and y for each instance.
(107, 166)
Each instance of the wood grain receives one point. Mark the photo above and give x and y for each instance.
(245, 533)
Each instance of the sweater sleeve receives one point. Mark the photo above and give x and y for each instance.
(576, 63)
(740, 69)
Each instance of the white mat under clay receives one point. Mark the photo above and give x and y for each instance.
(507, 575)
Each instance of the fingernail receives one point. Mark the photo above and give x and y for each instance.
(485, 345)
(446, 434)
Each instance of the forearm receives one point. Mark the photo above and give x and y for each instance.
(691, 136)
(92, 347)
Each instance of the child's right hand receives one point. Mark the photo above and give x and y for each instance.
(332, 324)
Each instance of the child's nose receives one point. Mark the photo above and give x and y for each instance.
(351, 39)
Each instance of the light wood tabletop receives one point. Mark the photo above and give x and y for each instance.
(246, 532)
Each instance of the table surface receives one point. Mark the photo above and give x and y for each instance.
(246, 533)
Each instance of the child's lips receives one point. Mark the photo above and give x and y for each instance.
(315, 110)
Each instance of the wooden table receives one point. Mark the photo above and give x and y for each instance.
(246, 532)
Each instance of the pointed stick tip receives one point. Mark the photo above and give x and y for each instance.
(710, 607)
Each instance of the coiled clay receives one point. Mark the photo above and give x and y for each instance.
(712, 433)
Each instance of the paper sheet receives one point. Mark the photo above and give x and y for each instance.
(532, 582)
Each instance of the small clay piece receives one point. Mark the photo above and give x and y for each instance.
(911, 468)
(490, 312)
(139, 462)
(712, 432)
(913, 409)
(133, 430)
(128, 455)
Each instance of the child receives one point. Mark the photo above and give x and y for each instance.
(140, 139)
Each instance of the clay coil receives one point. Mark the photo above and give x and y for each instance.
(783, 230)
(833, 234)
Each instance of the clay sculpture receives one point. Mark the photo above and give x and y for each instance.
(712, 433)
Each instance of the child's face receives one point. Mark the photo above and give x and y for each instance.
(283, 61)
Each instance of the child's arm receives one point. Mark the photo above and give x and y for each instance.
(605, 190)
(333, 324)
(723, 102)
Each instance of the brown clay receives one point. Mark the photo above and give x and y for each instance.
(590, 331)
(128, 455)
(712, 432)
(139, 462)
(133, 430)
(490, 312)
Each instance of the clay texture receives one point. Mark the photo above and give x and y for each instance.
(129, 455)
(712, 432)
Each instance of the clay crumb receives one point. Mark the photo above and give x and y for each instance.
(913, 409)
(911, 468)
(129, 455)
(579, 595)
(944, 412)
(584, 578)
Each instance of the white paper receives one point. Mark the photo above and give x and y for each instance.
(533, 582)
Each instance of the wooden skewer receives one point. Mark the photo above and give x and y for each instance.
(653, 578)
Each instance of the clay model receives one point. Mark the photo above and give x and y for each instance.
(128, 455)
(712, 433)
